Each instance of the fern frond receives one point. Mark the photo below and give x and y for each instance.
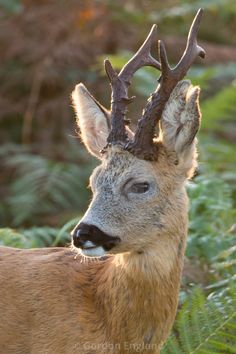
(12, 238)
(65, 230)
(36, 236)
(42, 186)
(205, 326)
(212, 214)
(220, 107)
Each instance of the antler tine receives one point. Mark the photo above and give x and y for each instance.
(120, 84)
(143, 57)
(192, 49)
(142, 146)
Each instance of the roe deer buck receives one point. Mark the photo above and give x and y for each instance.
(116, 290)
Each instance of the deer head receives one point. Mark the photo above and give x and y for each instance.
(139, 200)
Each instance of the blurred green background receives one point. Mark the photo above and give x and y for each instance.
(47, 47)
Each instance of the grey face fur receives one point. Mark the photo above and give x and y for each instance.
(143, 203)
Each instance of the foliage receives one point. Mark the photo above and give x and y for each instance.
(219, 108)
(42, 186)
(37, 236)
(211, 216)
(11, 6)
(205, 326)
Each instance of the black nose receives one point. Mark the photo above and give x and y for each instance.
(86, 232)
(81, 234)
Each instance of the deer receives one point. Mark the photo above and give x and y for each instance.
(115, 290)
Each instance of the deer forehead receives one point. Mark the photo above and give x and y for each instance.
(119, 165)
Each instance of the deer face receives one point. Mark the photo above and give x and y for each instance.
(137, 203)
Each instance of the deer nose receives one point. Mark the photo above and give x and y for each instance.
(80, 235)
(89, 236)
(77, 239)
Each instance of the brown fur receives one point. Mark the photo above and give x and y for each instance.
(51, 302)
(56, 301)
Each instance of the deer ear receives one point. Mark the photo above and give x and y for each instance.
(92, 119)
(180, 123)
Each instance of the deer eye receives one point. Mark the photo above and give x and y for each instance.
(140, 188)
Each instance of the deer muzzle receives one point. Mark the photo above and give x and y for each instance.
(93, 241)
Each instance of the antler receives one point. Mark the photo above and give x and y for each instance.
(120, 84)
(142, 146)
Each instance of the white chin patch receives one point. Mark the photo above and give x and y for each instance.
(93, 252)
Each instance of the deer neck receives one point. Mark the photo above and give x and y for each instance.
(138, 293)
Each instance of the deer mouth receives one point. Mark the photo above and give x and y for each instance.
(89, 249)
(88, 245)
